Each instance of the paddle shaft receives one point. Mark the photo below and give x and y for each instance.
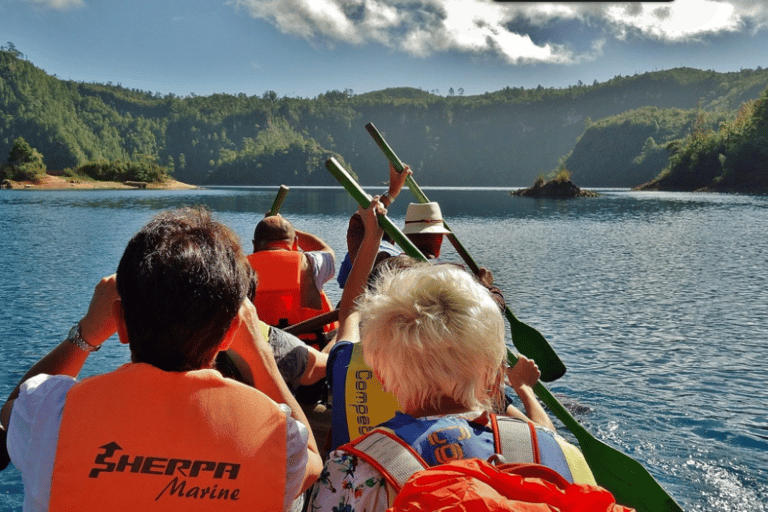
(312, 324)
(278, 200)
(364, 200)
(551, 366)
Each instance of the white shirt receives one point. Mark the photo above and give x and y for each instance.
(33, 434)
(323, 267)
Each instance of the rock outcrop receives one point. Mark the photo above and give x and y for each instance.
(557, 189)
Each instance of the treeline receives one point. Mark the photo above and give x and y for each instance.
(503, 138)
(25, 163)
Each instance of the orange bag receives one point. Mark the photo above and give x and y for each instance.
(471, 485)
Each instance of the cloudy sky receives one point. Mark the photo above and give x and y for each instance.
(307, 47)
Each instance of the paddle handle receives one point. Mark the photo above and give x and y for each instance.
(419, 194)
(397, 164)
(281, 193)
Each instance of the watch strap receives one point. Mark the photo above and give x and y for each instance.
(77, 340)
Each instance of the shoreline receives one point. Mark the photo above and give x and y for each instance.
(52, 182)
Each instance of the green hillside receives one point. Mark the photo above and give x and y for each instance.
(501, 138)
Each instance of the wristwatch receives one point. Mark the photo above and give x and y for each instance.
(388, 196)
(78, 341)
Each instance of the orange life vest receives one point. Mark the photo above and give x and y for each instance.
(140, 438)
(278, 295)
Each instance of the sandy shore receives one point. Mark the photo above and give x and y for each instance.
(52, 182)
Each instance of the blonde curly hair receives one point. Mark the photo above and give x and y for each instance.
(433, 333)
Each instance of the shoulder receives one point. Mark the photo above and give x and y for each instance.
(40, 396)
(45, 388)
(323, 265)
(320, 258)
(34, 427)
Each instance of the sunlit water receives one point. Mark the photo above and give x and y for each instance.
(656, 302)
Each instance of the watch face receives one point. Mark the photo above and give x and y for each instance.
(74, 332)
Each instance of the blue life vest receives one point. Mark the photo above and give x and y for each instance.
(360, 404)
(441, 440)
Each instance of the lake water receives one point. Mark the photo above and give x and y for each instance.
(656, 302)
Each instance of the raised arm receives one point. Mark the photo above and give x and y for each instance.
(356, 228)
(309, 242)
(361, 269)
(66, 358)
(249, 343)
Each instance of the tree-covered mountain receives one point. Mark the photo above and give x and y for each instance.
(731, 157)
(503, 138)
(631, 147)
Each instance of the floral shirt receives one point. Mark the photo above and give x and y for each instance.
(348, 484)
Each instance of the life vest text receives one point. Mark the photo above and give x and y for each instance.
(361, 397)
(108, 462)
(159, 465)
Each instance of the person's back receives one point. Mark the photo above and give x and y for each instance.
(213, 448)
(434, 338)
(166, 430)
(292, 267)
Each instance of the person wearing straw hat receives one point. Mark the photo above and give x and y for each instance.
(425, 228)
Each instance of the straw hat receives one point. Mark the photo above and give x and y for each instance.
(424, 218)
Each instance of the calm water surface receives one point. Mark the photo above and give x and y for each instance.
(656, 302)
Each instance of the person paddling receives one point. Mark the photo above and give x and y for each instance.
(434, 338)
(292, 267)
(166, 430)
(424, 227)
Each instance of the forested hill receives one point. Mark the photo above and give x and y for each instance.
(503, 138)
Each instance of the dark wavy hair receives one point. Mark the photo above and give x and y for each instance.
(181, 280)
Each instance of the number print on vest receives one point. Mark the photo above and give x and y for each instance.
(445, 451)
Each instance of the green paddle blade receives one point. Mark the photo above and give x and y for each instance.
(629, 482)
(531, 343)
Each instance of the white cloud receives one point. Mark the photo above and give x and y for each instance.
(681, 20)
(425, 27)
(59, 5)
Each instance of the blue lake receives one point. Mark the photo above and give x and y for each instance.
(656, 302)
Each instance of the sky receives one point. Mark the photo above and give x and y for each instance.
(303, 48)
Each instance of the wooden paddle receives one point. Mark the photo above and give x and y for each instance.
(226, 357)
(525, 338)
(312, 324)
(278, 200)
(627, 479)
(631, 484)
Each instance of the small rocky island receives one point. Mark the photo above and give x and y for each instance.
(560, 187)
